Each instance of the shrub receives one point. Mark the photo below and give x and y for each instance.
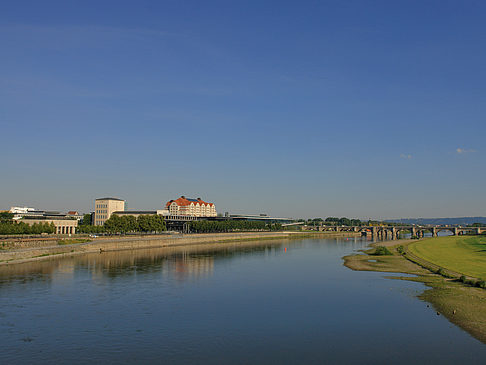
(382, 251)
(481, 284)
(401, 250)
(462, 279)
(444, 273)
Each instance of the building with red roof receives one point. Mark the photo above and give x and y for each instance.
(193, 207)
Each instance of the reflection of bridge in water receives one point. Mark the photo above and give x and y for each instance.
(394, 232)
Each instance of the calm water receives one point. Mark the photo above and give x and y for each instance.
(251, 304)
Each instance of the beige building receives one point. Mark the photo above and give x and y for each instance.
(104, 208)
(192, 207)
(63, 226)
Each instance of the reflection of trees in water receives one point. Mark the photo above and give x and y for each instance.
(180, 265)
(37, 271)
(183, 262)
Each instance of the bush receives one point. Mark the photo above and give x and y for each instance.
(462, 279)
(401, 250)
(481, 284)
(382, 251)
(443, 273)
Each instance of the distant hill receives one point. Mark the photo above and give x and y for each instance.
(440, 221)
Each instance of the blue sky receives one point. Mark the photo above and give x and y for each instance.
(368, 109)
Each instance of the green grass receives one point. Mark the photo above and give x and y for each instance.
(462, 254)
(48, 254)
(73, 241)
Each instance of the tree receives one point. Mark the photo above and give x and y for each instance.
(128, 223)
(6, 217)
(86, 219)
(143, 222)
(157, 223)
(131, 223)
(24, 228)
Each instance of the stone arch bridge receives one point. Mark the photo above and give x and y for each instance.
(393, 232)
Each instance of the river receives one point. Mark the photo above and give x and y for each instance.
(280, 302)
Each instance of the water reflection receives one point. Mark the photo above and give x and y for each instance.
(254, 302)
(181, 263)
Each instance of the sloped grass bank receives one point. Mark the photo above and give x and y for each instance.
(465, 255)
(463, 305)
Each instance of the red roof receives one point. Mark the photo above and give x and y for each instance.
(73, 212)
(182, 201)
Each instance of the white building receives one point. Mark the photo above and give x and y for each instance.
(21, 210)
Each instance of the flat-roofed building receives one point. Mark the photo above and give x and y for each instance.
(192, 207)
(21, 210)
(25, 212)
(104, 208)
(137, 213)
(63, 225)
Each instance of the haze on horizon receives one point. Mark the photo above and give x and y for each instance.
(368, 109)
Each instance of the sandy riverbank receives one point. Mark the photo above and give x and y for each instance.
(461, 304)
(107, 244)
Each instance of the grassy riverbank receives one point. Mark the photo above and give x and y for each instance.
(463, 305)
(461, 254)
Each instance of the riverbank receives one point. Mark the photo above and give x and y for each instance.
(459, 255)
(461, 304)
(58, 248)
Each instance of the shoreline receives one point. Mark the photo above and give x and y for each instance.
(462, 305)
(123, 243)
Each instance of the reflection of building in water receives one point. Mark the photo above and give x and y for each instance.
(35, 271)
(64, 272)
(166, 264)
(191, 266)
(65, 267)
(177, 263)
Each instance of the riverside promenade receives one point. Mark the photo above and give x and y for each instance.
(41, 250)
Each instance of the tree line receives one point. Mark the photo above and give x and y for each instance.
(24, 228)
(9, 226)
(205, 226)
(334, 221)
(126, 224)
